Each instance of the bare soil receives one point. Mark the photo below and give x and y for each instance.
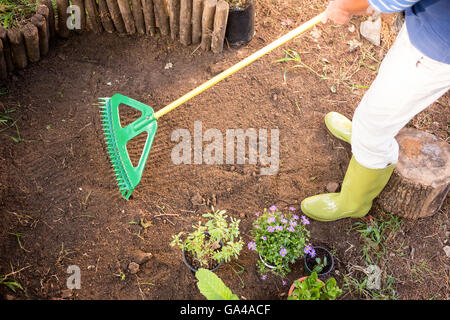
(60, 206)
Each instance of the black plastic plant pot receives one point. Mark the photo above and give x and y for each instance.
(194, 270)
(241, 24)
(321, 252)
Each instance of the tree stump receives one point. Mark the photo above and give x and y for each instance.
(105, 16)
(197, 11)
(45, 12)
(220, 26)
(162, 17)
(421, 179)
(80, 4)
(62, 31)
(3, 68)
(138, 16)
(149, 16)
(93, 17)
(40, 22)
(186, 22)
(18, 50)
(174, 17)
(31, 37)
(51, 17)
(116, 16)
(6, 50)
(127, 16)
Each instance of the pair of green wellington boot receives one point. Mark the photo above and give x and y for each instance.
(360, 186)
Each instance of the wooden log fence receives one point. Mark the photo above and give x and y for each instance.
(198, 22)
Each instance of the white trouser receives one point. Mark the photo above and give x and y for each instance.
(406, 84)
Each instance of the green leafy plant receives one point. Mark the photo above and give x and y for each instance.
(320, 264)
(279, 238)
(212, 287)
(13, 11)
(313, 289)
(217, 240)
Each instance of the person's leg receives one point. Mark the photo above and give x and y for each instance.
(406, 84)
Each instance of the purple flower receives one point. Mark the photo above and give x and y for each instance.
(279, 228)
(270, 229)
(273, 208)
(309, 250)
(264, 277)
(284, 221)
(295, 217)
(283, 252)
(292, 223)
(292, 208)
(284, 282)
(264, 237)
(291, 229)
(257, 226)
(305, 220)
(271, 220)
(252, 245)
(257, 214)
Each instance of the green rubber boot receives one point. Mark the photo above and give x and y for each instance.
(339, 126)
(360, 186)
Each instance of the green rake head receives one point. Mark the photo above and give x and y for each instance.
(117, 137)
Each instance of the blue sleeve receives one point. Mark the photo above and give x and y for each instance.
(389, 6)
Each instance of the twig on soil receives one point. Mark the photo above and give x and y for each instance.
(14, 272)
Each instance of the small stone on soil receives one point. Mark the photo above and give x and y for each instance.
(133, 267)
(332, 186)
(141, 257)
(197, 199)
(447, 251)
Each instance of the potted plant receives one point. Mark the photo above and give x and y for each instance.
(209, 245)
(241, 22)
(311, 288)
(319, 260)
(279, 239)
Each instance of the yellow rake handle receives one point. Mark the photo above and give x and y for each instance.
(292, 34)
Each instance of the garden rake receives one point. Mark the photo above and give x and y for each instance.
(128, 176)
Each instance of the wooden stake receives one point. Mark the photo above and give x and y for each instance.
(31, 37)
(209, 12)
(3, 68)
(50, 18)
(162, 17)
(105, 16)
(138, 16)
(116, 16)
(93, 16)
(80, 4)
(62, 29)
(174, 17)
(40, 22)
(43, 11)
(127, 16)
(18, 50)
(149, 16)
(421, 179)
(220, 26)
(186, 22)
(197, 11)
(6, 49)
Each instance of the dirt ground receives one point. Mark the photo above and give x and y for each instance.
(60, 206)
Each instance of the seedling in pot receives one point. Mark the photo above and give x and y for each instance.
(211, 244)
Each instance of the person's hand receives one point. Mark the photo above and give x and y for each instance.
(335, 13)
(341, 11)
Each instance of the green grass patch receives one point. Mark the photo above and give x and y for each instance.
(14, 11)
